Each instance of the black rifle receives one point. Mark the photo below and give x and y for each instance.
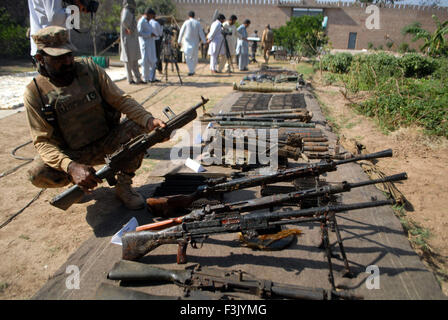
(207, 279)
(268, 201)
(136, 244)
(165, 206)
(135, 147)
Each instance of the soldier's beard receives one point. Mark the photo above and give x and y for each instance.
(64, 75)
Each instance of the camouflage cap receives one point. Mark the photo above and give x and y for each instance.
(53, 40)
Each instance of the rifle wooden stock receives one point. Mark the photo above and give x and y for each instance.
(166, 206)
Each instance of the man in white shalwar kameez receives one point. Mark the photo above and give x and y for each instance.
(130, 52)
(215, 39)
(190, 35)
(242, 46)
(232, 38)
(45, 13)
(146, 36)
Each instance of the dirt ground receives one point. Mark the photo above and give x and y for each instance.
(424, 159)
(38, 241)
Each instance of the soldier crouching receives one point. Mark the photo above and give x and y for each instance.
(73, 110)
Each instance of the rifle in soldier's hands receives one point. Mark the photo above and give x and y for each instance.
(135, 147)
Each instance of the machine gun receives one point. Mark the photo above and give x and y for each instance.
(165, 206)
(136, 244)
(130, 150)
(268, 202)
(208, 279)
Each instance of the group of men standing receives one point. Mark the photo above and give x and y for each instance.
(139, 43)
(225, 42)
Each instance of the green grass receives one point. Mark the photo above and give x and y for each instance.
(306, 69)
(3, 286)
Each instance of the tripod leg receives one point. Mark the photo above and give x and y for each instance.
(348, 273)
(178, 74)
(326, 243)
(166, 71)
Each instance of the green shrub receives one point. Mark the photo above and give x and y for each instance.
(337, 63)
(416, 65)
(370, 46)
(13, 39)
(389, 44)
(403, 47)
(441, 71)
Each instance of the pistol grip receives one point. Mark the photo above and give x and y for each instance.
(182, 252)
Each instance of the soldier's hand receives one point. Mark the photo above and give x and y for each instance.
(83, 175)
(155, 123)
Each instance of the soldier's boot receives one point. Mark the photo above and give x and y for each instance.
(124, 191)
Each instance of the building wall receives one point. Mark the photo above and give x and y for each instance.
(259, 14)
(342, 19)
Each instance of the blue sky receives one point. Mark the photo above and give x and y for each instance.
(442, 3)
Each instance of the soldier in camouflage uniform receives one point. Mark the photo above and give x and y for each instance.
(73, 110)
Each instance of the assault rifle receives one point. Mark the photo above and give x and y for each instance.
(136, 244)
(256, 112)
(208, 279)
(268, 202)
(165, 206)
(135, 147)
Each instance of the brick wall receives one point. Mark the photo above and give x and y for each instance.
(341, 20)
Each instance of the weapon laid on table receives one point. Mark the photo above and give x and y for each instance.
(108, 291)
(136, 244)
(269, 201)
(208, 279)
(266, 124)
(130, 150)
(165, 206)
(257, 112)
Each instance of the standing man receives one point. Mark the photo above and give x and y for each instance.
(146, 38)
(73, 111)
(191, 34)
(254, 47)
(44, 13)
(158, 31)
(267, 41)
(230, 29)
(130, 52)
(215, 42)
(242, 46)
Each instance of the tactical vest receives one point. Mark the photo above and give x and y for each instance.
(82, 115)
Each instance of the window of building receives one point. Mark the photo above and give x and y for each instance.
(352, 40)
(298, 12)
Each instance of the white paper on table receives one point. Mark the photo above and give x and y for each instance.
(193, 165)
(130, 226)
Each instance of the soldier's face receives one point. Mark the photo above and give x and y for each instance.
(59, 67)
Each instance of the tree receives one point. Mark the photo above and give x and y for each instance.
(434, 44)
(301, 35)
(161, 7)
